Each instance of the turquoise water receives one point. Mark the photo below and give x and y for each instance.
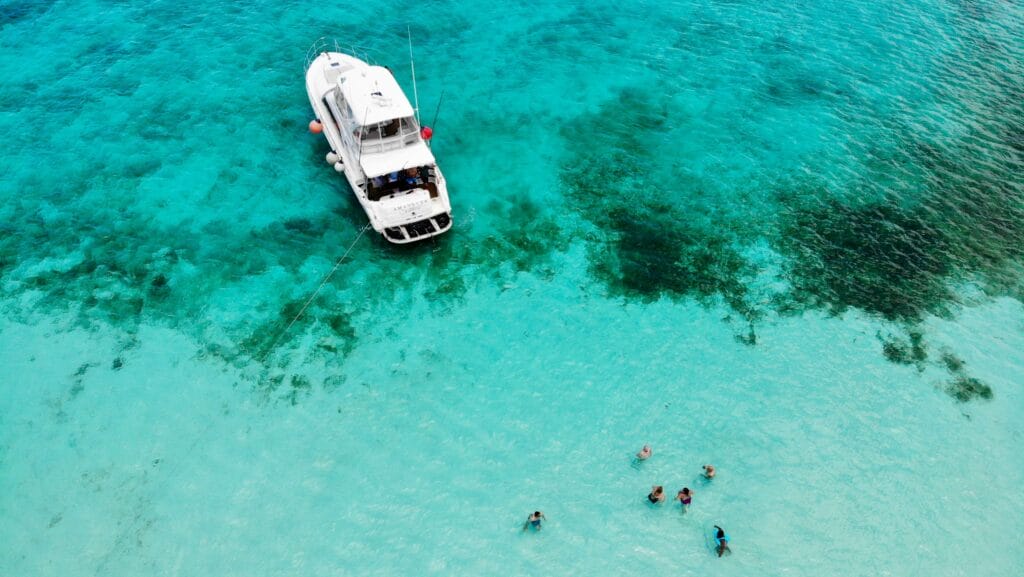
(787, 240)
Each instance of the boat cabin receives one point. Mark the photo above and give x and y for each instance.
(372, 110)
(378, 126)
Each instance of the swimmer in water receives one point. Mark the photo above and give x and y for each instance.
(645, 453)
(657, 494)
(534, 521)
(709, 471)
(722, 539)
(685, 497)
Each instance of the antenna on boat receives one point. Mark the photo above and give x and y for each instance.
(412, 63)
(428, 131)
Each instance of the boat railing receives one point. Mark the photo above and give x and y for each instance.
(320, 45)
(389, 143)
(325, 44)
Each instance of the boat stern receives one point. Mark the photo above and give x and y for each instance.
(414, 216)
(418, 230)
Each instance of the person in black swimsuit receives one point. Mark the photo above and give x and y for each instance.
(657, 494)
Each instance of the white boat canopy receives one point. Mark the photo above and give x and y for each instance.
(374, 96)
(411, 156)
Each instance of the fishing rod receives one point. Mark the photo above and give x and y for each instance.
(433, 125)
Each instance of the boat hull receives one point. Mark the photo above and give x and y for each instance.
(400, 219)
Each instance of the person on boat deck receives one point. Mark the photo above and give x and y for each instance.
(412, 176)
(534, 521)
(657, 494)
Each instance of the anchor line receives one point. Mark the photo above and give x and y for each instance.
(316, 292)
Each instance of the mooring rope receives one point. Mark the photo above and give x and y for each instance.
(315, 293)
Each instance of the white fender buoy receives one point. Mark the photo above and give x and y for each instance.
(333, 158)
(339, 167)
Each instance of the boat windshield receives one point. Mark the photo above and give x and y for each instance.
(395, 128)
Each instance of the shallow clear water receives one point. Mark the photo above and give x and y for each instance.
(783, 239)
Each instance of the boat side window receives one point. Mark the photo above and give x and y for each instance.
(409, 126)
(370, 132)
(381, 130)
(346, 111)
(389, 128)
(409, 129)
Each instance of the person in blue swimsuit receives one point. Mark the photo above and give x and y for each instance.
(722, 540)
(534, 521)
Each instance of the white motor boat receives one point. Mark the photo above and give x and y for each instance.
(377, 143)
